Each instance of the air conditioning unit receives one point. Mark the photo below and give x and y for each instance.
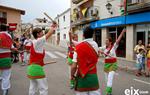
(93, 11)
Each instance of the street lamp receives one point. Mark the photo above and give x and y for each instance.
(109, 8)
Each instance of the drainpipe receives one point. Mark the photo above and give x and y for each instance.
(125, 9)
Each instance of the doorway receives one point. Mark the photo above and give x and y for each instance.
(98, 37)
(114, 33)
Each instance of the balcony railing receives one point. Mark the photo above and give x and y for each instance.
(138, 6)
(85, 16)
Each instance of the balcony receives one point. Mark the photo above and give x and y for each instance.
(76, 1)
(85, 16)
(135, 6)
(83, 3)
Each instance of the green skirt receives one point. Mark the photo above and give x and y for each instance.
(35, 71)
(5, 63)
(108, 67)
(88, 83)
(70, 61)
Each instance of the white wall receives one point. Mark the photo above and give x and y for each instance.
(40, 25)
(130, 46)
(13, 16)
(103, 12)
(64, 27)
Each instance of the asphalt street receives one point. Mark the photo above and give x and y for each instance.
(58, 78)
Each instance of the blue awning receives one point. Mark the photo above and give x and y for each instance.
(138, 18)
(122, 20)
(109, 22)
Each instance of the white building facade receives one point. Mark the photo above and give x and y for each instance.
(111, 18)
(62, 33)
(42, 23)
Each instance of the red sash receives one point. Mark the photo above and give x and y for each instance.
(109, 50)
(111, 60)
(5, 41)
(36, 58)
(87, 59)
(71, 51)
(27, 47)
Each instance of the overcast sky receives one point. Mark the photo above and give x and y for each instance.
(35, 8)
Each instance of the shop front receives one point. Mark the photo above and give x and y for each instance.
(142, 33)
(98, 36)
(141, 22)
(113, 27)
(137, 27)
(114, 33)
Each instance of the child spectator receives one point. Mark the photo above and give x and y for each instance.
(139, 62)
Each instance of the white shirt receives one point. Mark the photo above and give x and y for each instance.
(75, 42)
(112, 51)
(92, 43)
(139, 58)
(39, 43)
(27, 42)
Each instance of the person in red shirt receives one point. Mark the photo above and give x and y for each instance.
(71, 49)
(6, 45)
(26, 45)
(84, 67)
(35, 70)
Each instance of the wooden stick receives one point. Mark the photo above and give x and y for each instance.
(70, 36)
(48, 17)
(52, 62)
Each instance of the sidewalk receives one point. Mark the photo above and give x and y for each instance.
(123, 64)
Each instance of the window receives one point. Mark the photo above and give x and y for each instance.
(44, 20)
(58, 20)
(64, 36)
(3, 17)
(114, 33)
(129, 1)
(58, 23)
(91, 12)
(3, 14)
(98, 37)
(40, 21)
(143, 33)
(64, 18)
(134, 1)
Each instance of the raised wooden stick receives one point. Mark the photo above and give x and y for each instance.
(70, 36)
(52, 62)
(48, 17)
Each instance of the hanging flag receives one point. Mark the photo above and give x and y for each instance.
(12, 26)
(84, 11)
